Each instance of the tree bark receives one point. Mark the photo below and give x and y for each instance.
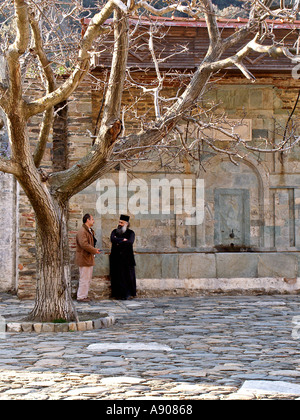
(53, 293)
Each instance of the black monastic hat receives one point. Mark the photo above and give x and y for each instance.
(124, 217)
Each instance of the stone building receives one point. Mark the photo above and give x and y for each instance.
(247, 238)
(8, 215)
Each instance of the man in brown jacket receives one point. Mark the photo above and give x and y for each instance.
(85, 256)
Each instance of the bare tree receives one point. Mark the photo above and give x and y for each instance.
(49, 192)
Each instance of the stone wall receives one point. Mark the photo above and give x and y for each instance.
(8, 237)
(8, 219)
(8, 210)
(256, 200)
(260, 199)
(188, 273)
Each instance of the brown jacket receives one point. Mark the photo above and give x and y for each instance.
(85, 249)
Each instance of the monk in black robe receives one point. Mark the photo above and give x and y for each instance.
(122, 262)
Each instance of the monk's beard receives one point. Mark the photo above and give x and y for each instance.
(121, 229)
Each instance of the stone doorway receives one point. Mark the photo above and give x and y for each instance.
(232, 217)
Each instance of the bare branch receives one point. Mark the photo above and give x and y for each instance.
(45, 129)
(245, 71)
(211, 21)
(191, 9)
(121, 5)
(296, 6)
(38, 49)
(158, 75)
(69, 181)
(3, 96)
(10, 167)
(112, 105)
(66, 183)
(50, 86)
(272, 50)
(22, 38)
(83, 63)
(17, 49)
(239, 35)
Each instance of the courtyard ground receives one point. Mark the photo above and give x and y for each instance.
(170, 348)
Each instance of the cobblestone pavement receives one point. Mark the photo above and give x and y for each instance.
(184, 348)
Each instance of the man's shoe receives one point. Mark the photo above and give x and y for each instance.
(84, 300)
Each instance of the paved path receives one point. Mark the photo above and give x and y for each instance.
(201, 348)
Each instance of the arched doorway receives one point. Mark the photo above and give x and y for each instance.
(235, 204)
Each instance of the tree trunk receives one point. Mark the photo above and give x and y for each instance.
(53, 294)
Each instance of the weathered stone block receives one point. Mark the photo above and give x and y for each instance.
(38, 327)
(13, 327)
(256, 98)
(101, 267)
(81, 326)
(148, 266)
(230, 265)
(197, 266)
(241, 97)
(277, 265)
(170, 266)
(225, 99)
(26, 326)
(98, 323)
(48, 327)
(260, 134)
(105, 322)
(61, 327)
(72, 326)
(89, 325)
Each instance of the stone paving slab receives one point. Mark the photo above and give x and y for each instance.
(101, 347)
(270, 387)
(218, 344)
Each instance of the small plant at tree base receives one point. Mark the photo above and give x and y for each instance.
(60, 321)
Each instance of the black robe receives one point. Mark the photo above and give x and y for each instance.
(122, 265)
